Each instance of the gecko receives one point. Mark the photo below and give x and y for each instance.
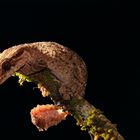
(67, 66)
(67, 69)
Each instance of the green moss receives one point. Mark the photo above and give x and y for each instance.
(89, 119)
(96, 126)
(22, 78)
(44, 78)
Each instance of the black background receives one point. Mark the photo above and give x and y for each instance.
(99, 32)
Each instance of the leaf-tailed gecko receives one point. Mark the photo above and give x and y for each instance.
(69, 71)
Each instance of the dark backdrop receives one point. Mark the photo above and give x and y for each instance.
(99, 33)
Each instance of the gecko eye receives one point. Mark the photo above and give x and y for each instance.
(6, 65)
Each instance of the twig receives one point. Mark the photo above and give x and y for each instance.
(87, 116)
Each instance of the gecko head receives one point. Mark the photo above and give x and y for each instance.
(10, 62)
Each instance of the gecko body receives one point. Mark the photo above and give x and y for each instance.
(67, 67)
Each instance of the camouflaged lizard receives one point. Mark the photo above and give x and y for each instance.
(60, 71)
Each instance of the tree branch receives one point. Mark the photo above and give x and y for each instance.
(87, 116)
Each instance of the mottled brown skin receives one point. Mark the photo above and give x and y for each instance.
(68, 68)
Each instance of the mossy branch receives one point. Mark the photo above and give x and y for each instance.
(87, 116)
